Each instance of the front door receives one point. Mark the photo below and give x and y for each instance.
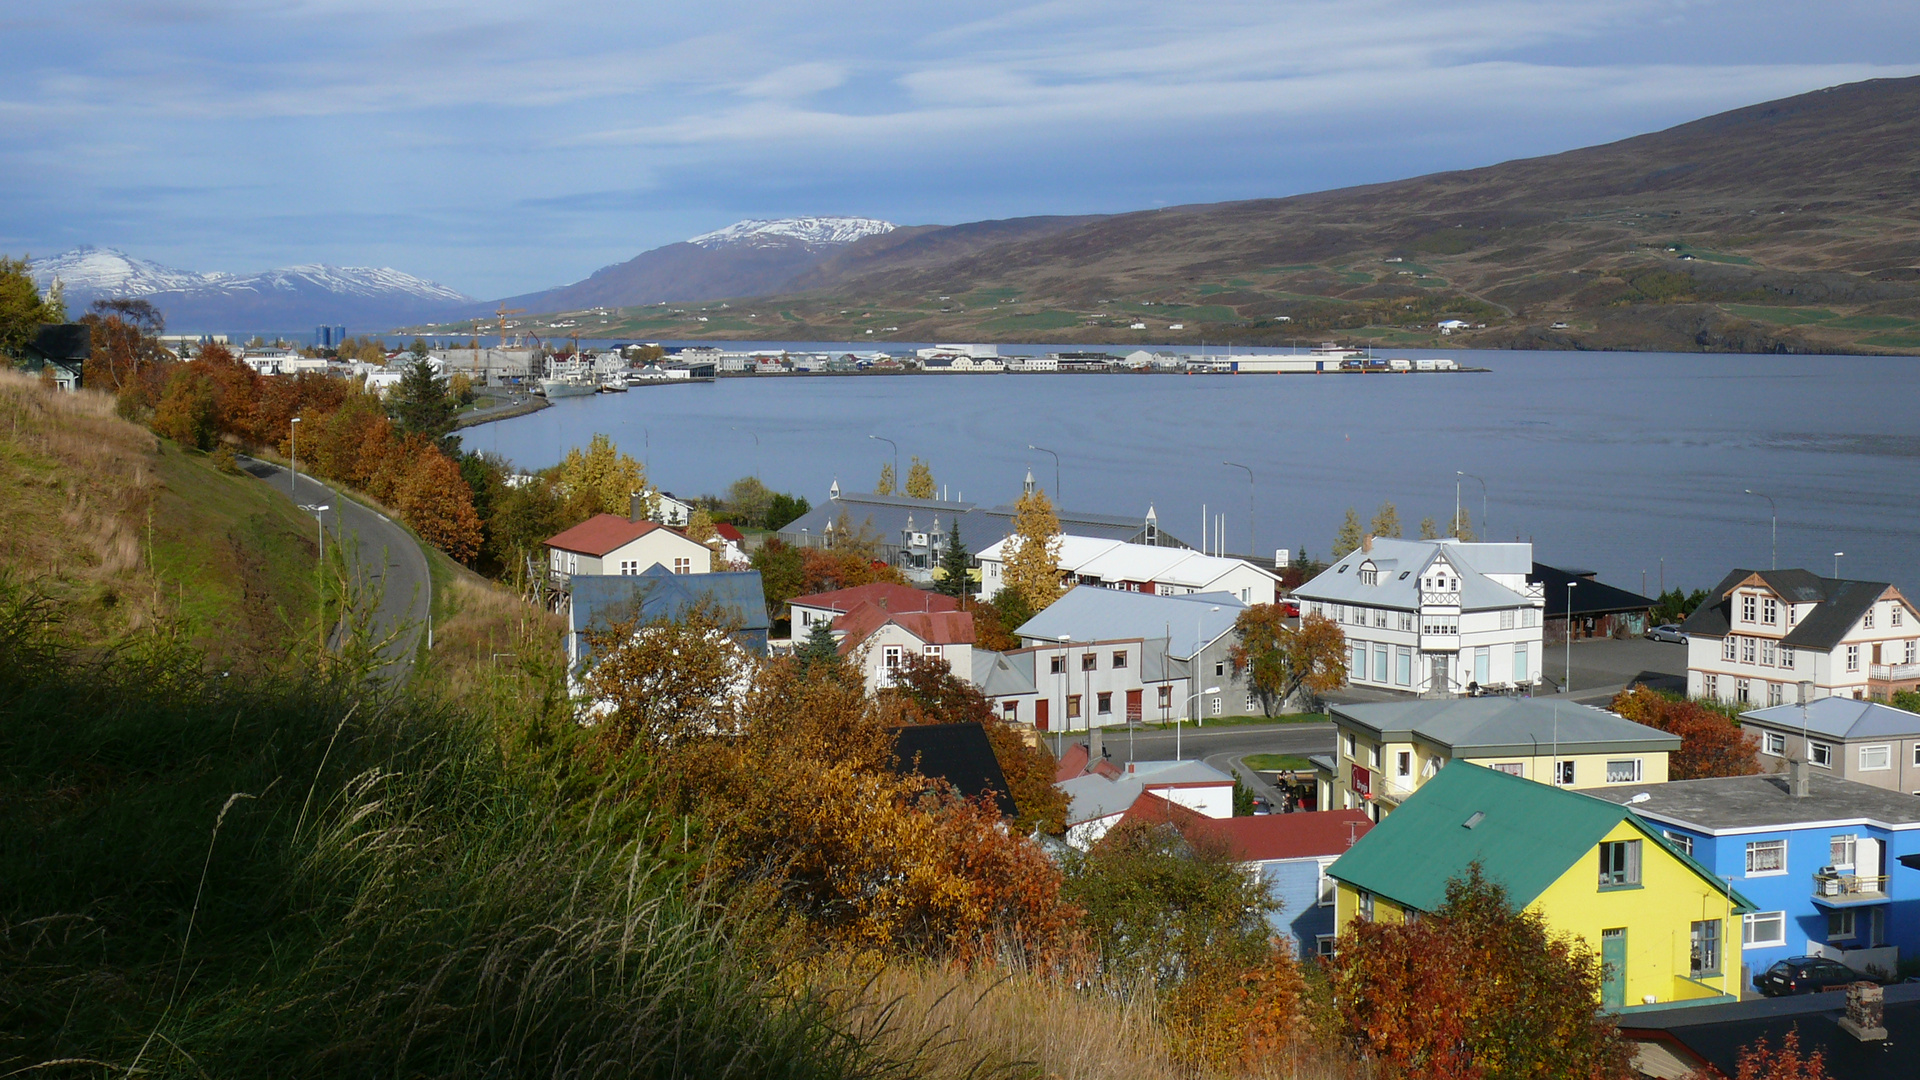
(1876, 652)
(1040, 714)
(1133, 706)
(1613, 954)
(1440, 683)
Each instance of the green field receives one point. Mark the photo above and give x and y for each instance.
(1782, 316)
(1893, 341)
(1874, 322)
(1039, 320)
(1276, 762)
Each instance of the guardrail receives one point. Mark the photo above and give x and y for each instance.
(1849, 885)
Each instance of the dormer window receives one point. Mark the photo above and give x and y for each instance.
(1748, 604)
(1369, 574)
(1770, 611)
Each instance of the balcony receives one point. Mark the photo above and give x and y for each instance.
(1847, 890)
(1893, 672)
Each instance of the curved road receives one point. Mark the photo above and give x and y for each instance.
(392, 566)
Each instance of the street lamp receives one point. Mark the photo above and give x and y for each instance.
(1836, 562)
(316, 511)
(1567, 687)
(1056, 471)
(896, 456)
(1483, 501)
(1199, 646)
(293, 438)
(1251, 548)
(1194, 699)
(1774, 512)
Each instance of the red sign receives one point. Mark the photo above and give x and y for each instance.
(1362, 782)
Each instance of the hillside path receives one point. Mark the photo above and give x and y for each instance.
(390, 562)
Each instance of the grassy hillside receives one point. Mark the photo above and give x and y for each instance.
(121, 528)
(1792, 225)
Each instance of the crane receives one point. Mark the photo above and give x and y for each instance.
(502, 314)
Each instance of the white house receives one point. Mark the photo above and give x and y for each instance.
(826, 607)
(1142, 568)
(1434, 617)
(668, 510)
(1102, 657)
(1098, 798)
(608, 544)
(1762, 632)
(879, 640)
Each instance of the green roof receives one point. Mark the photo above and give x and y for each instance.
(1524, 834)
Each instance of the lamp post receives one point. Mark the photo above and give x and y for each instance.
(1484, 535)
(1836, 562)
(1251, 548)
(1199, 646)
(1193, 699)
(1567, 687)
(1774, 512)
(293, 438)
(1066, 683)
(316, 511)
(1056, 471)
(897, 479)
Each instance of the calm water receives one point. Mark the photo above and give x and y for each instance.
(1612, 462)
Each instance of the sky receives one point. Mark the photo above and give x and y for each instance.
(501, 148)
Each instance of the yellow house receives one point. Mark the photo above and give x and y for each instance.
(1385, 751)
(1665, 927)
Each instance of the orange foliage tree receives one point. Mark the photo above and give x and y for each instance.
(930, 693)
(827, 569)
(1711, 744)
(188, 412)
(1761, 1062)
(435, 500)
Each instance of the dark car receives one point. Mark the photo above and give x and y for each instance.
(1804, 975)
(1668, 632)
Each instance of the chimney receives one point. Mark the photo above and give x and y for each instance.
(1866, 1015)
(636, 508)
(1095, 751)
(1366, 543)
(1797, 782)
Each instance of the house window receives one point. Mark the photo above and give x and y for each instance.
(683, 566)
(1089, 662)
(573, 563)
(1876, 758)
(629, 567)
(1840, 851)
(1770, 612)
(1840, 925)
(1619, 864)
(1893, 615)
(1373, 756)
(1766, 651)
(1916, 753)
(1104, 703)
(1482, 661)
(1820, 754)
(1766, 857)
(1747, 604)
(1680, 841)
(1563, 773)
(1403, 762)
(1775, 693)
(1522, 673)
(1506, 618)
(932, 650)
(1912, 647)
(1776, 743)
(1729, 647)
(1746, 650)
(1763, 929)
(1866, 621)
(1743, 690)
(1710, 685)
(1704, 952)
(1380, 662)
(1010, 711)
(1369, 576)
(1120, 659)
(1529, 617)
(1216, 705)
(1166, 697)
(1323, 943)
(890, 657)
(1623, 772)
(1328, 887)
(1853, 658)
(1058, 665)
(1073, 706)
(1219, 667)
(1403, 665)
(1786, 656)
(1366, 906)
(1350, 745)
(1511, 768)
(1380, 618)
(1406, 621)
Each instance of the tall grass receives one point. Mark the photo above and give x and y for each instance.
(205, 877)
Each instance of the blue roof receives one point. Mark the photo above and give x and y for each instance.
(599, 600)
(1091, 613)
(1841, 718)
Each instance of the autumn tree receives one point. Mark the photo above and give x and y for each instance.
(920, 479)
(1429, 529)
(434, 499)
(782, 573)
(188, 412)
(23, 310)
(956, 566)
(1348, 538)
(1711, 743)
(1278, 660)
(887, 482)
(700, 529)
(1033, 551)
(126, 358)
(661, 683)
(1461, 527)
(1760, 1061)
(748, 500)
(934, 694)
(1386, 522)
(602, 480)
(1475, 989)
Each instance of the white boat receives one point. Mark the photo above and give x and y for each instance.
(613, 382)
(566, 386)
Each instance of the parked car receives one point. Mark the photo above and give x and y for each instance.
(1804, 975)
(1667, 632)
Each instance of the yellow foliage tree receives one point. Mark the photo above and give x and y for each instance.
(887, 483)
(603, 480)
(919, 479)
(1033, 566)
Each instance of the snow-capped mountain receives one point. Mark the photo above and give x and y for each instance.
(812, 231)
(747, 258)
(364, 298)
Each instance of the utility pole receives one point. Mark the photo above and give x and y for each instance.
(1252, 549)
(1774, 512)
(1056, 472)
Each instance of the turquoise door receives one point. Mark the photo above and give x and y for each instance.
(1613, 954)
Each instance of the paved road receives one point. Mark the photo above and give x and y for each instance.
(392, 567)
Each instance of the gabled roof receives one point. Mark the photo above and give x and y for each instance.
(62, 342)
(883, 594)
(603, 533)
(1840, 718)
(1117, 560)
(979, 525)
(1503, 725)
(1003, 674)
(1590, 597)
(1261, 837)
(728, 532)
(1091, 613)
(1524, 834)
(960, 754)
(1841, 602)
(598, 600)
(1400, 564)
(931, 627)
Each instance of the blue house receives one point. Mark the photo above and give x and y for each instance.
(598, 601)
(1826, 862)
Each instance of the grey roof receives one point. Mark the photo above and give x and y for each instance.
(598, 600)
(1400, 563)
(1841, 603)
(1003, 674)
(1091, 796)
(1739, 802)
(980, 526)
(1840, 718)
(1091, 613)
(1502, 725)
(1722, 1034)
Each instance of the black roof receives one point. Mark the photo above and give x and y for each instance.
(1841, 603)
(1716, 1033)
(960, 754)
(72, 342)
(1590, 597)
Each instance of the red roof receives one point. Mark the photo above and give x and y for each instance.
(883, 594)
(931, 627)
(601, 533)
(1300, 835)
(728, 532)
(1072, 763)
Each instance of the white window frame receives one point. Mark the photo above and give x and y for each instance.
(1820, 753)
(1679, 840)
(1845, 843)
(1403, 763)
(1328, 888)
(1365, 906)
(1776, 920)
(1512, 768)
(1882, 752)
(1632, 768)
(1324, 945)
(1216, 705)
(1565, 771)
(1774, 744)
(1770, 611)
(1850, 925)
(1866, 621)
(1749, 604)
(1853, 658)
(932, 650)
(1764, 847)
(1729, 648)
(1787, 656)
(890, 657)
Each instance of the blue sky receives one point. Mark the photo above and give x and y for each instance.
(500, 148)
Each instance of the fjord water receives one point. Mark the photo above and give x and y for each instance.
(1610, 462)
